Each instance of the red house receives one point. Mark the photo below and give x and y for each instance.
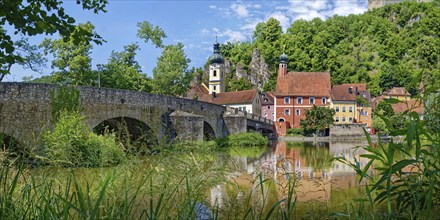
(296, 92)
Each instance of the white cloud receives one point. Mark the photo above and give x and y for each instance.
(233, 36)
(240, 10)
(204, 32)
(348, 7)
(213, 6)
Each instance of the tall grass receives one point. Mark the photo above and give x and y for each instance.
(408, 187)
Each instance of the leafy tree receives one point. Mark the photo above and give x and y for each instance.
(35, 17)
(239, 84)
(385, 109)
(317, 119)
(71, 58)
(149, 32)
(171, 75)
(124, 72)
(30, 57)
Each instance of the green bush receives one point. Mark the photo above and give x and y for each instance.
(72, 143)
(249, 139)
(295, 131)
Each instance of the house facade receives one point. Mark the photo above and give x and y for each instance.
(297, 92)
(267, 105)
(246, 100)
(351, 103)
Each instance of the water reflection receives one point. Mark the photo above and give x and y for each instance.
(310, 164)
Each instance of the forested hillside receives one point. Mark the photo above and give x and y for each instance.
(397, 45)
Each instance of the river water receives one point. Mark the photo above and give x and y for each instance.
(317, 178)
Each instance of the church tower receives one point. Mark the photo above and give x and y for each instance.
(216, 71)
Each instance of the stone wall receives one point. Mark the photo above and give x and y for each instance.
(346, 130)
(25, 109)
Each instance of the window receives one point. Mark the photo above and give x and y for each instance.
(343, 109)
(350, 119)
(286, 100)
(298, 112)
(337, 119)
(266, 100)
(240, 108)
(268, 107)
(286, 111)
(324, 101)
(343, 119)
(366, 113)
(312, 100)
(214, 88)
(244, 109)
(214, 73)
(362, 113)
(299, 100)
(350, 109)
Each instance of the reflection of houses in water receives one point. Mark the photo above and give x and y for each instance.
(308, 162)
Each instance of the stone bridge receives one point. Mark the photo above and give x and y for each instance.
(25, 113)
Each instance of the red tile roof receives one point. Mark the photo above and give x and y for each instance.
(304, 84)
(411, 105)
(228, 98)
(341, 93)
(360, 86)
(269, 96)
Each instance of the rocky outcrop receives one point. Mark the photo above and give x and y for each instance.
(258, 70)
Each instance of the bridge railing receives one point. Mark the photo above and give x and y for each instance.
(235, 111)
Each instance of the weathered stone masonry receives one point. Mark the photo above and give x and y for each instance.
(25, 111)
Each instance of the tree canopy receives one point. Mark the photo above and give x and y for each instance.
(171, 75)
(317, 119)
(384, 47)
(35, 17)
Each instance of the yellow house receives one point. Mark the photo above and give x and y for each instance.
(344, 103)
(397, 93)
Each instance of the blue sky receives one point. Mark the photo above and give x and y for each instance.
(194, 23)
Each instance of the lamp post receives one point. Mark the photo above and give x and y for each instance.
(99, 66)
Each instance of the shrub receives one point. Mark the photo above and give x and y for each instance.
(243, 140)
(295, 131)
(72, 143)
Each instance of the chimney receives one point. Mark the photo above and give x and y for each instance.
(357, 92)
(350, 90)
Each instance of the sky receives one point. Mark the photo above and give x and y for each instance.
(195, 23)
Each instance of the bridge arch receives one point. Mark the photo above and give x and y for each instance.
(208, 132)
(136, 135)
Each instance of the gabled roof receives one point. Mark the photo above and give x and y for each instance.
(397, 91)
(196, 90)
(412, 105)
(304, 84)
(229, 98)
(267, 96)
(360, 86)
(341, 93)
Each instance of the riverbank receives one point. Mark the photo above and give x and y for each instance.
(374, 138)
